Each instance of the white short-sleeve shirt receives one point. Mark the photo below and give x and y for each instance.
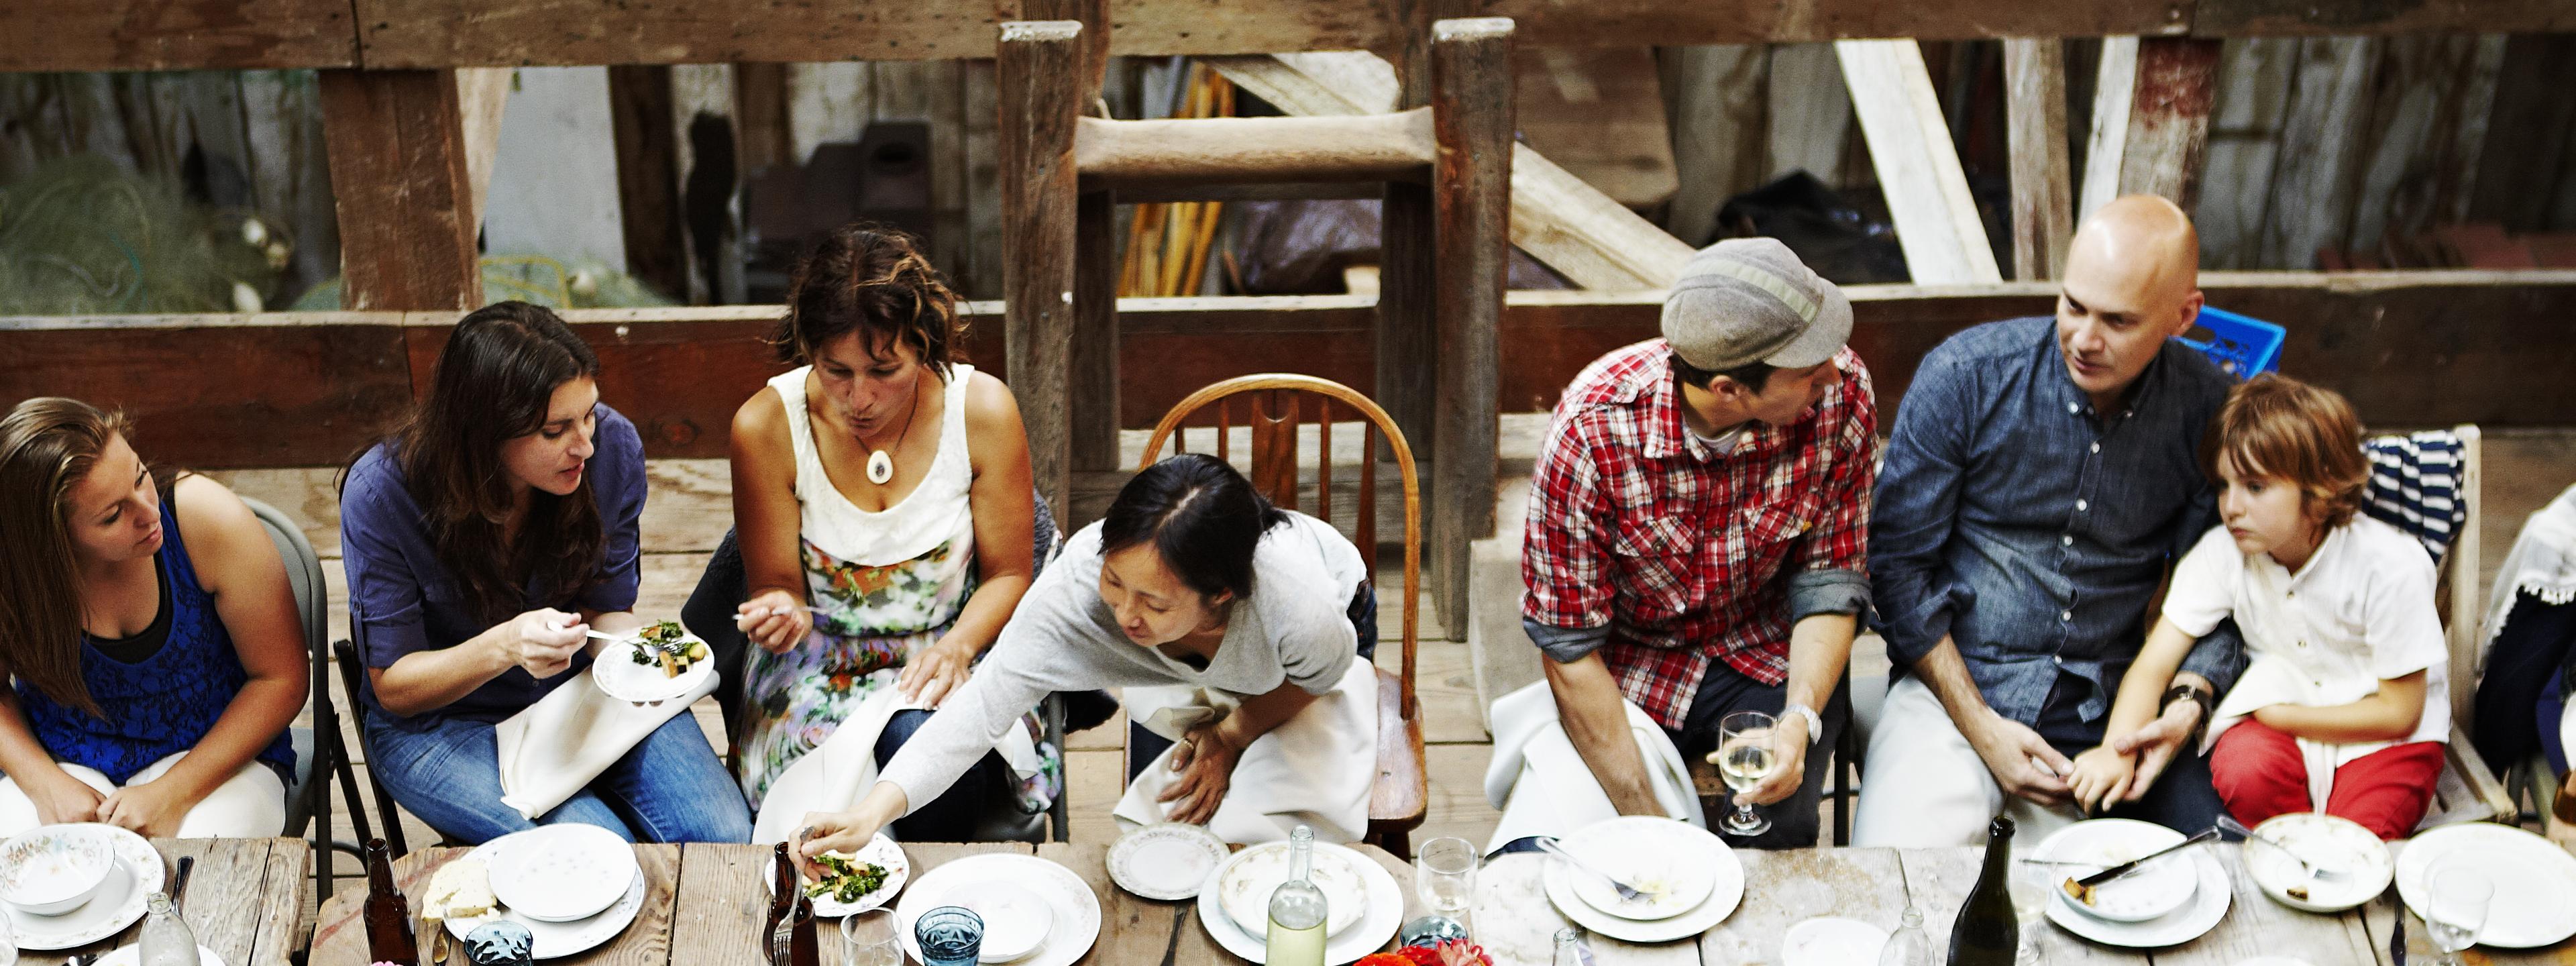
(2359, 612)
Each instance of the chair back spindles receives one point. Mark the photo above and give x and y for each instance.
(1274, 447)
(1367, 528)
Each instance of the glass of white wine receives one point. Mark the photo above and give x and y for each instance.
(2457, 910)
(869, 939)
(2031, 884)
(1744, 757)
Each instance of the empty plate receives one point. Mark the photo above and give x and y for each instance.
(560, 873)
(1167, 860)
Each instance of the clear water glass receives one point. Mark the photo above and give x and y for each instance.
(1444, 875)
(869, 939)
(949, 936)
(2457, 910)
(2030, 885)
(1744, 757)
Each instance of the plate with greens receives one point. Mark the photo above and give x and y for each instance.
(661, 662)
(858, 881)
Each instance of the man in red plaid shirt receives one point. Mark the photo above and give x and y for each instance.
(1696, 530)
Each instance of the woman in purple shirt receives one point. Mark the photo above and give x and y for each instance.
(482, 540)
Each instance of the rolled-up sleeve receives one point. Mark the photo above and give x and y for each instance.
(618, 483)
(1915, 509)
(386, 612)
(1834, 574)
(1565, 554)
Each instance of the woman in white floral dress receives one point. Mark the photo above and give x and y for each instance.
(883, 502)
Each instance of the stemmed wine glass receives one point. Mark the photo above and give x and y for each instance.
(1745, 757)
(2456, 910)
(2030, 884)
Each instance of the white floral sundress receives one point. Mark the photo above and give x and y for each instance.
(882, 585)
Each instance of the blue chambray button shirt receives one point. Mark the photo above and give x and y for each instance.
(2030, 529)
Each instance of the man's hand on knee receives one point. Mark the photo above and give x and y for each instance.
(2021, 761)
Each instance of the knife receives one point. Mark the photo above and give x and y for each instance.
(2124, 868)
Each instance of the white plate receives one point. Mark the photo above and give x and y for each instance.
(2209, 901)
(1726, 890)
(2326, 839)
(1073, 912)
(617, 675)
(1654, 855)
(1832, 941)
(1166, 860)
(1015, 920)
(2151, 890)
(118, 904)
(880, 850)
(1245, 882)
(555, 940)
(2535, 880)
(130, 955)
(54, 869)
(1381, 904)
(560, 873)
(2275, 960)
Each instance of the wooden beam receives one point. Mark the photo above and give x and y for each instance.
(482, 95)
(1038, 66)
(2277, 18)
(1094, 17)
(2529, 135)
(398, 176)
(1094, 403)
(760, 117)
(2115, 84)
(2035, 121)
(648, 177)
(1599, 113)
(1218, 150)
(124, 35)
(1472, 98)
(1559, 220)
(1718, 94)
(2169, 118)
(1918, 166)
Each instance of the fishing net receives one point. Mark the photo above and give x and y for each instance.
(535, 279)
(81, 236)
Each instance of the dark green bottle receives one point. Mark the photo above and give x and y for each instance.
(1987, 933)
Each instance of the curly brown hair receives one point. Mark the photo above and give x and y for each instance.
(2287, 430)
(863, 276)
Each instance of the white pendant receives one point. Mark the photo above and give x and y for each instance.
(880, 467)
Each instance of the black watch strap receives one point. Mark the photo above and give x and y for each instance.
(2197, 695)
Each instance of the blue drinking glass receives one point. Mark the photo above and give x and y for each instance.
(949, 936)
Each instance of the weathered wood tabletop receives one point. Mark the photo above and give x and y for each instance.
(703, 906)
(243, 900)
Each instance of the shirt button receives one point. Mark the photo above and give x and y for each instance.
(2097, 447)
(2070, 407)
(2065, 615)
(2066, 539)
(2059, 661)
(2079, 506)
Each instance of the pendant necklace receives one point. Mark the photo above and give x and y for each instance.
(881, 461)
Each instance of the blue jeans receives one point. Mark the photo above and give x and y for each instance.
(669, 788)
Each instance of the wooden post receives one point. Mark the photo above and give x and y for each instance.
(2115, 81)
(1407, 343)
(1094, 400)
(1094, 17)
(483, 93)
(2169, 118)
(1472, 107)
(1037, 65)
(760, 118)
(2035, 112)
(648, 177)
(397, 145)
(1918, 166)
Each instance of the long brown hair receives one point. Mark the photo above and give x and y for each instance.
(47, 445)
(494, 382)
(2303, 435)
(864, 276)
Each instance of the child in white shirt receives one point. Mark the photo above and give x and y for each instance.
(2332, 713)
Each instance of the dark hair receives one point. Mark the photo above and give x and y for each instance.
(867, 277)
(494, 382)
(1202, 516)
(1754, 375)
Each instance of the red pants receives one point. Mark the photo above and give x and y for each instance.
(2259, 774)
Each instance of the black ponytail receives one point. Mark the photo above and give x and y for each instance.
(1202, 517)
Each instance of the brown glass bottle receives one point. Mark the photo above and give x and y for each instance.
(388, 917)
(804, 948)
(783, 896)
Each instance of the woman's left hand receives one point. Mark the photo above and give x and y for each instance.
(152, 809)
(935, 673)
(1205, 761)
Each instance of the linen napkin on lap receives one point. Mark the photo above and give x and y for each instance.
(1314, 769)
(1544, 787)
(555, 747)
(835, 775)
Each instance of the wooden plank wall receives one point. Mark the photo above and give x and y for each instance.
(2409, 348)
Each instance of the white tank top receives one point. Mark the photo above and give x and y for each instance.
(935, 512)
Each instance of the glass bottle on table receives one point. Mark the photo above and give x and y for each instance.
(1297, 909)
(388, 917)
(1569, 949)
(166, 940)
(1987, 932)
(1909, 945)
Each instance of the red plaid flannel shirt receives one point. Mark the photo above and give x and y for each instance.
(1683, 553)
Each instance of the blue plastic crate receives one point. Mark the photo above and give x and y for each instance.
(2242, 346)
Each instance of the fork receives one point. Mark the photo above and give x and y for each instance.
(2315, 871)
(1627, 893)
(780, 939)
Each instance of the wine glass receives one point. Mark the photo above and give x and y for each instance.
(1744, 757)
(1444, 875)
(869, 939)
(2030, 884)
(2456, 910)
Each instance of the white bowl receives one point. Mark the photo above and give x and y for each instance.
(54, 869)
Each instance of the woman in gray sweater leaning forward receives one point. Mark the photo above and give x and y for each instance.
(1192, 580)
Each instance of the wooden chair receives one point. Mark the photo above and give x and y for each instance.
(1399, 801)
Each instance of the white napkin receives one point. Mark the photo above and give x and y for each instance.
(836, 774)
(1542, 783)
(1315, 769)
(556, 746)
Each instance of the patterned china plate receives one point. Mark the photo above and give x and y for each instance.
(118, 903)
(880, 850)
(1166, 860)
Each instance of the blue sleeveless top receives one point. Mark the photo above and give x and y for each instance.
(164, 704)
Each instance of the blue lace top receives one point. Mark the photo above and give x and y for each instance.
(163, 704)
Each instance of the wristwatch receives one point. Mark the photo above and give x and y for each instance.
(1815, 722)
(2196, 695)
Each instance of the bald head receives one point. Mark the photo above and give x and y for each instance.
(2132, 281)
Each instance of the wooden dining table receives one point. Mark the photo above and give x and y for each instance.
(243, 900)
(704, 905)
